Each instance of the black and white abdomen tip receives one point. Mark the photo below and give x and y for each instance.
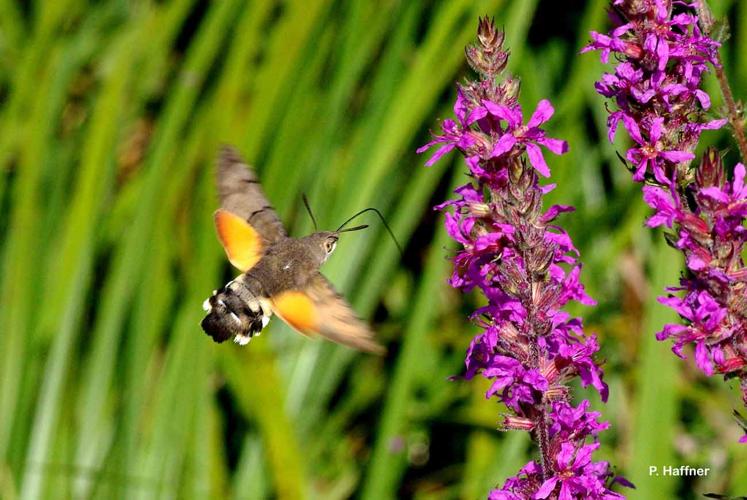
(234, 312)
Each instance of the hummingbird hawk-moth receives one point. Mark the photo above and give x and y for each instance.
(280, 274)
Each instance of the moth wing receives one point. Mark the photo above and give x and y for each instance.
(241, 194)
(319, 309)
(243, 244)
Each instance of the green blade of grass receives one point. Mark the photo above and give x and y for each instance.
(300, 392)
(272, 81)
(185, 374)
(264, 402)
(492, 456)
(22, 252)
(130, 261)
(249, 480)
(656, 402)
(386, 465)
(72, 276)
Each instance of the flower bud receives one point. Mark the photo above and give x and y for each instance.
(512, 422)
(695, 225)
(487, 34)
(487, 57)
(711, 170)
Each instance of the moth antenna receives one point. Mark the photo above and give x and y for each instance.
(383, 221)
(351, 229)
(308, 209)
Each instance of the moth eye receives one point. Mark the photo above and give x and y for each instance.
(329, 246)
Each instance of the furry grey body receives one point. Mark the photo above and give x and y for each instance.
(289, 264)
(240, 309)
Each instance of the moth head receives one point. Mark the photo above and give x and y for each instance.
(322, 244)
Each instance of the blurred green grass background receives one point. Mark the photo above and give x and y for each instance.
(111, 113)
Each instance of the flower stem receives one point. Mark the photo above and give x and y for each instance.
(734, 113)
(735, 120)
(543, 432)
(541, 426)
(543, 441)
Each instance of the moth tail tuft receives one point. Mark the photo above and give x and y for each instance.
(230, 315)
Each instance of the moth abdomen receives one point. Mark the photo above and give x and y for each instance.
(234, 312)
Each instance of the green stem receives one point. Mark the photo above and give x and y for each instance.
(733, 110)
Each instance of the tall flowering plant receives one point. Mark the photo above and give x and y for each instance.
(514, 252)
(662, 50)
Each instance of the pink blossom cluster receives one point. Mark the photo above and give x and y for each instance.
(526, 266)
(655, 92)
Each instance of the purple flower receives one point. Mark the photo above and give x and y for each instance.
(579, 357)
(612, 42)
(515, 254)
(733, 197)
(520, 487)
(578, 476)
(456, 135)
(650, 153)
(663, 55)
(656, 85)
(528, 136)
(667, 207)
(570, 422)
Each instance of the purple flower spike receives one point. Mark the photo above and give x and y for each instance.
(527, 268)
(663, 54)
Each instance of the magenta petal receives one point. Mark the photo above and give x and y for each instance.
(565, 456)
(554, 211)
(657, 220)
(548, 188)
(657, 127)
(473, 162)
(702, 359)
(546, 488)
(565, 492)
(504, 144)
(583, 456)
(555, 145)
(425, 147)
(475, 114)
(537, 160)
(649, 44)
(739, 175)
(695, 263)
(632, 127)
(640, 167)
(460, 105)
(512, 117)
(715, 194)
(677, 156)
(704, 98)
(438, 154)
(493, 108)
(662, 50)
(543, 113)
(713, 124)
